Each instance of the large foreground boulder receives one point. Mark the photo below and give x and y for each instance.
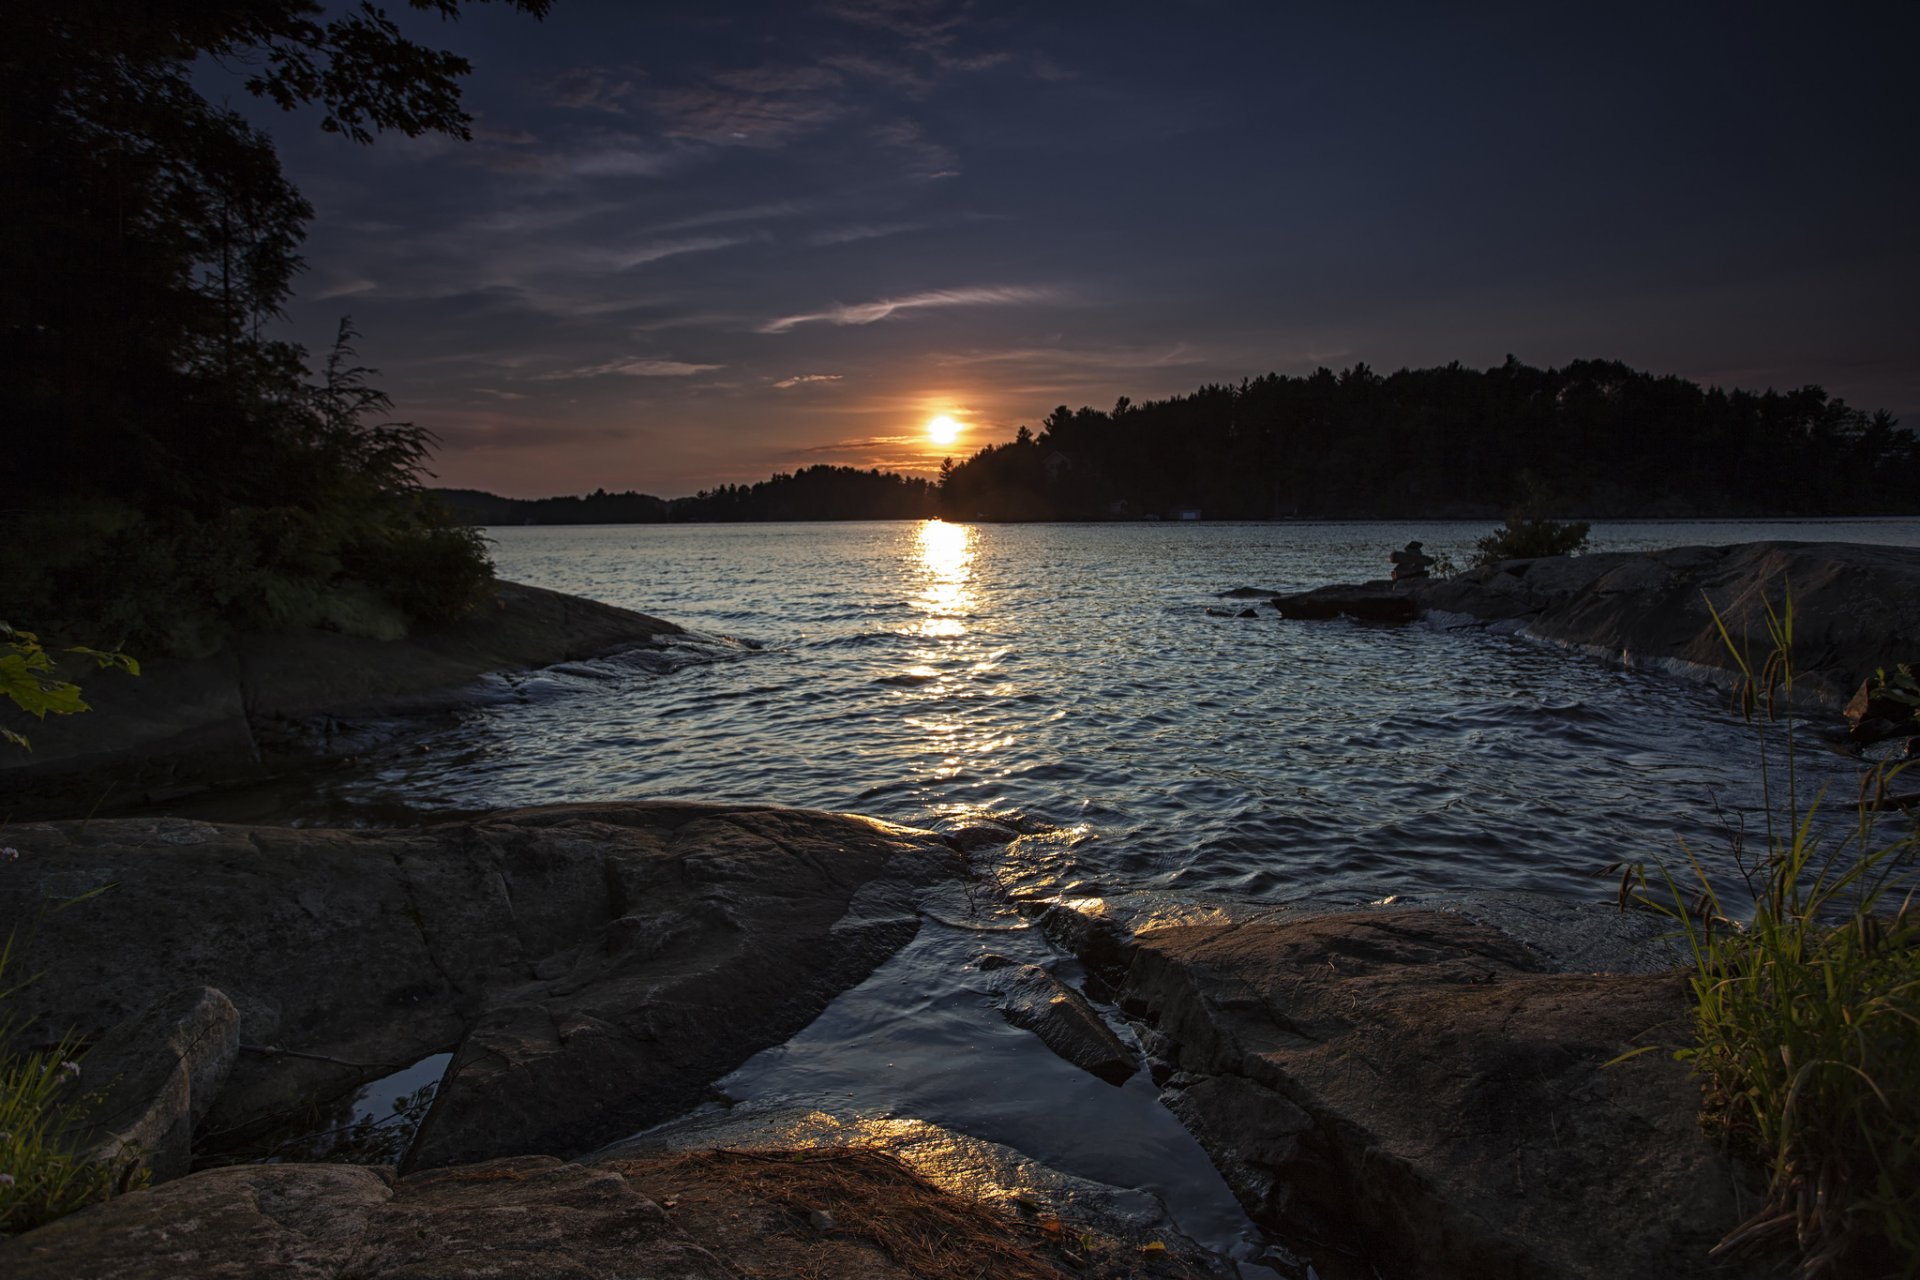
(1422, 1085)
(593, 967)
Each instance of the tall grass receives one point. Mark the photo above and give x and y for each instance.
(43, 1108)
(1807, 1004)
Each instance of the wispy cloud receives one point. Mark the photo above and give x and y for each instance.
(346, 289)
(1177, 355)
(633, 369)
(592, 89)
(930, 159)
(627, 259)
(881, 309)
(848, 235)
(755, 107)
(800, 379)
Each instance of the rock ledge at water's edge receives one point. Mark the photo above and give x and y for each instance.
(592, 968)
(273, 700)
(1857, 606)
(1431, 1093)
(1413, 1082)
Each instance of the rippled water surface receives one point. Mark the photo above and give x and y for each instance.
(1070, 675)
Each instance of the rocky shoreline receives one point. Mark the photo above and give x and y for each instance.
(1388, 1092)
(271, 703)
(1857, 607)
(1419, 1089)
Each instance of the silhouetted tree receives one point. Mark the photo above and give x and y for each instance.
(174, 462)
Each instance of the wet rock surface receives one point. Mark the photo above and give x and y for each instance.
(594, 967)
(1857, 607)
(1034, 1000)
(187, 723)
(1427, 1087)
(1380, 601)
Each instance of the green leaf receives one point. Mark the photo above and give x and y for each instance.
(22, 679)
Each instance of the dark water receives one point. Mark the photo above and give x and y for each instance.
(1067, 678)
(1070, 675)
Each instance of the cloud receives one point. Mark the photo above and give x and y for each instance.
(627, 259)
(347, 289)
(750, 108)
(800, 378)
(848, 235)
(1178, 355)
(897, 74)
(610, 162)
(919, 22)
(498, 394)
(592, 89)
(633, 369)
(930, 159)
(881, 309)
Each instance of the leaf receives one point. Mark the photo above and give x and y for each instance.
(106, 658)
(22, 680)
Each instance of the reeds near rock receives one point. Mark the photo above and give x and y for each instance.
(1807, 1018)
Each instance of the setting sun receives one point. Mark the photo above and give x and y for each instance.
(943, 429)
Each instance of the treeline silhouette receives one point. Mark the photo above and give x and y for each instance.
(813, 493)
(1603, 439)
(1608, 440)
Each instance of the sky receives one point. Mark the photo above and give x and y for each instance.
(700, 243)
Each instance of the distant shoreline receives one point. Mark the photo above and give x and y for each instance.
(1486, 518)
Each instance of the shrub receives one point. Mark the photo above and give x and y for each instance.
(323, 525)
(1529, 531)
(1807, 1015)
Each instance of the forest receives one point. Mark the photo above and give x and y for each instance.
(1608, 441)
(812, 493)
(1603, 440)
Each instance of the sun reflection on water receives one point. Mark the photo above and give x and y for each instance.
(946, 560)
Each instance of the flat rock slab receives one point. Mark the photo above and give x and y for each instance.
(594, 967)
(1857, 607)
(1364, 602)
(527, 1217)
(833, 1215)
(1420, 1084)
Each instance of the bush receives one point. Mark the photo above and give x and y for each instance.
(328, 530)
(1807, 1015)
(1529, 531)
